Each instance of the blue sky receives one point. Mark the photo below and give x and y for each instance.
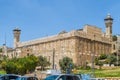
(41, 18)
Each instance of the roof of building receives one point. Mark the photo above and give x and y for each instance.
(87, 32)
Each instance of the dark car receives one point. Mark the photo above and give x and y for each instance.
(27, 78)
(62, 77)
(9, 77)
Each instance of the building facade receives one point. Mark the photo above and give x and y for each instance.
(80, 45)
(116, 45)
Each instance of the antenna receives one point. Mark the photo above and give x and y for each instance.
(5, 47)
(5, 38)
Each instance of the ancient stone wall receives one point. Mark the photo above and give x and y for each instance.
(77, 44)
(62, 47)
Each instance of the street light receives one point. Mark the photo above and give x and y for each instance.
(93, 56)
(53, 58)
(117, 50)
(93, 72)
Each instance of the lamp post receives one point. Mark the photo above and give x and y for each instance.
(53, 58)
(117, 50)
(70, 67)
(93, 72)
(93, 56)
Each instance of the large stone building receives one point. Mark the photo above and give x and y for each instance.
(80, 45)
(116, 45)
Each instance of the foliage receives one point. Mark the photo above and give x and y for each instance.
(102, 56)
(32, 61)
(111, 59)
(0, 49)
(11, 67)
(20, 65)
(105, 59)
(99, 62)
(43, 62)
(2, 72)
(4, 57)
(65, 63)
(114, 38)
(23, 65)
(3, 64)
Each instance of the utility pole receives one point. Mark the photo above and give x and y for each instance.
(93, 72)
(53, 58)
(93, 56)
(117, 46)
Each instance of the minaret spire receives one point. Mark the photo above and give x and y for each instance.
(108, 22)
(16, 36)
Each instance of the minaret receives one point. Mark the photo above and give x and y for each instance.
(108, 22)
(4, 50)
(16, 32)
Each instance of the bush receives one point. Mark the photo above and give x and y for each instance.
(2, 72)
(20, 65)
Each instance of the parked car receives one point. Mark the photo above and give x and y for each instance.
(9, 77)
(27, 78)
(62, 77)
(79, 75)
(52, 72)
(97, 79)
(84, 76)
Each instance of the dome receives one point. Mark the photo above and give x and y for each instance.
(108, 17)
(16, 29)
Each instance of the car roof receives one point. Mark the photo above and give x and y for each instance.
(28, 77)
(63, 74)
(9, 75)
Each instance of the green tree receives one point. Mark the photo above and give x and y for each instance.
(102, 56)
(100, 60)
(20, 65)
(3, 64)
(111, 59)
(0, 49)
(20, 69)
(43, 62)
(33, 61)
(28, 63)
(11, 67)
(114, 38)
(65, 63)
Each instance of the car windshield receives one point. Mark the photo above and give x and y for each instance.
(51, 77)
